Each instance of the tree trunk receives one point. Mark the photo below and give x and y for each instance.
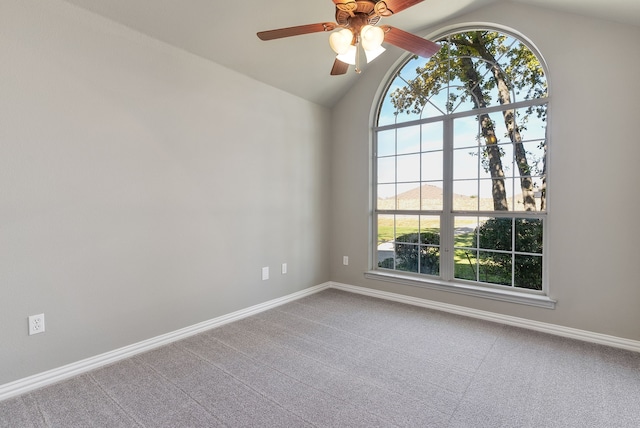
(498, 191)
(526, 183)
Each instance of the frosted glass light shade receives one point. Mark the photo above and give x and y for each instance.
(373, 54)
(340, 41)
(372, 37)
(349, 56)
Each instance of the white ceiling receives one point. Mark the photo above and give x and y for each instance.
(224, 32)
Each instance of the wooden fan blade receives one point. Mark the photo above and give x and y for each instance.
(389, 7)
(339, 67)
(296, 31)
(409, 42)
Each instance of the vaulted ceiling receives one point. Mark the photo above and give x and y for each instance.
(225, 32)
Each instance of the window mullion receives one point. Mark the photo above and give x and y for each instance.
(446, 218)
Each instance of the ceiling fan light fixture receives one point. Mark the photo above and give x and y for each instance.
(349, 56)
(373, 54)
(371, 37)
(340, 41)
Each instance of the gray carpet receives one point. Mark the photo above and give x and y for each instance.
(338, 359)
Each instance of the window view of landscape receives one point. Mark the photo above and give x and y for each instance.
(460, 161)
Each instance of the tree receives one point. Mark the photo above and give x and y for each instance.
(482, 63)
(496, 234)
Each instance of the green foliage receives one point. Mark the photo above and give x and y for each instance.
(497, 234)
(416, 252)
(420, 252)
(470, 63)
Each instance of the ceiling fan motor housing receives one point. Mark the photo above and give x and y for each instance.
(355, 15)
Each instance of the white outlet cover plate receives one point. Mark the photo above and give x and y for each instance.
(36, 324)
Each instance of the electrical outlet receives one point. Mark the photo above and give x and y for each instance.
(36, 324)
(265, 273)
(284, 268)
(345, 260)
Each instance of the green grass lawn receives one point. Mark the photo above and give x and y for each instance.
(404, 226)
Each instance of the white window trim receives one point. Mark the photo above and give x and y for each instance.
(488, 291)
(484, 291)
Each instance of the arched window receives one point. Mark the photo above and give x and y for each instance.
(460, 146)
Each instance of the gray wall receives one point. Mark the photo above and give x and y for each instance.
(142, 189)
(593, 208)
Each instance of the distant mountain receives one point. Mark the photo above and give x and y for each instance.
(426, 190)
(432, 197)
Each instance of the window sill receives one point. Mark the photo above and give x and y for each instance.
(469, 290)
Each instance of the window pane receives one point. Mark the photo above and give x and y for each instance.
(432, 136)
(408, 196)
(385, 228)
(465, 195)
(386, 196)
(494, 268)
(407, 228)
(431, 166)
(501, 200)
(465, 163)
(430, 229)
(465, 132)
(519, 199)
(534, 200)
(407, 257)
(539, 189)
(431, 196)
(531, 166)
(387, 170)
(495, 123)
(536, 128)
(385, 241)
(496, 234)
(386, 142)
(429, 260)
(533, 154)
(464, 229)
(465, 264)
(408, 140)
(528, 272)
(408, 168)
(528, 235)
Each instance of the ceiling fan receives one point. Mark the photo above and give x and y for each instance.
(358, 18)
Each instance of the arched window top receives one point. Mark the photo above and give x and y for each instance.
(473, 70)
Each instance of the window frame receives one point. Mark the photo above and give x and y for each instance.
(539, 298)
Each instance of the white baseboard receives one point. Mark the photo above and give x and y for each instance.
(557, 330)
(49, 377)
(40, 380)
